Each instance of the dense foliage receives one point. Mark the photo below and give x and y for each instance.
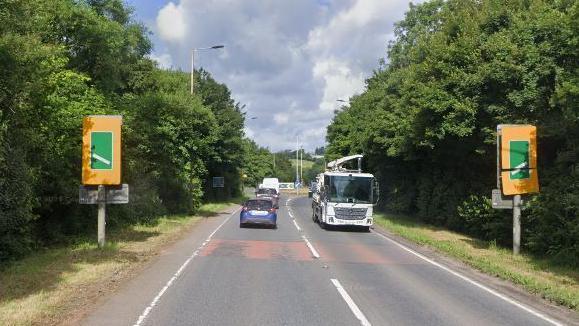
(261, 163)
(61, 60)
(427, 120)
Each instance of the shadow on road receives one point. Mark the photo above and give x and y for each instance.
(347, 228)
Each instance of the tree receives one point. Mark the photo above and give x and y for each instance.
(427, 119)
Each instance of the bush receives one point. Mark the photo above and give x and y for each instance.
(16, 203)
(477, 217)
(551, 224)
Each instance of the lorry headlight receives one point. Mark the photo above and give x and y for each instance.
(369, 221)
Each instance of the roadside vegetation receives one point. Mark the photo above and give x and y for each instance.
(541, 276)
(61, 60)
(57, 284)
(426, 122)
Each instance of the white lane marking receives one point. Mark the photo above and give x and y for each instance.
(357, 312)
(297, 226)
(179, 271)
(475, 283)
(312, 249)
(308, 243)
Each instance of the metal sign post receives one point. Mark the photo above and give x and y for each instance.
(102, 213)
(516, 172)
(517, 224)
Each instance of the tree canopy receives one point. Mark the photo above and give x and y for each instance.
(62, 60)
(427, 119)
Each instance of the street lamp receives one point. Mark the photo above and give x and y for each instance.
(215, 47)
(343, 101)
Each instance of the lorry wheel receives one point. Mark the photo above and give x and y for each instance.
(365, 229)
(314, 218)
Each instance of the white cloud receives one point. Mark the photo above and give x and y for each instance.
(281, 118)
(340, 82)
(171, 24)
(164, 60)
(287, 60)
(248, 132)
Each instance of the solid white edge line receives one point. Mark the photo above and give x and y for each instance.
(312, 249)
(353, 306)
(153, 303)
(475, 283)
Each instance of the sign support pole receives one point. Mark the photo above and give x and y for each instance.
(517, 224)
(102, 212)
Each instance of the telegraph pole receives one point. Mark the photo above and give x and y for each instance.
(301, 163)
(215, 47)
(297, 163)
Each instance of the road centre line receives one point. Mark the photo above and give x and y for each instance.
(353, 306)
(312, 249)
(475, 283)
(297, 226)
(308, 243)
(153, 303)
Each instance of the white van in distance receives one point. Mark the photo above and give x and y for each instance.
(272, 183)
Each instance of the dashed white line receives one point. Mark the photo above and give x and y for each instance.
(297, 226)
(489, 290)
(315, 253)
(353, 306)
(153, 303)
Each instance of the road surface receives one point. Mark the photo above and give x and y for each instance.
(300, 274)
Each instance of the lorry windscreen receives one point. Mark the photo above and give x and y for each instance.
(346, 189)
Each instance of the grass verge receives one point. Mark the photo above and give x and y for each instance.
(556, 283)
(57, 285)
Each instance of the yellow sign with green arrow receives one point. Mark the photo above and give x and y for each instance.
(101, 150)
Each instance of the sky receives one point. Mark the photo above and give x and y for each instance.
(288, 62)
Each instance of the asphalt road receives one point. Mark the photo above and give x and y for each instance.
(300, 274)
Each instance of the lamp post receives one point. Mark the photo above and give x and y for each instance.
(193, 62)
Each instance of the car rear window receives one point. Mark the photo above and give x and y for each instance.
(266, 192)
(258, 205)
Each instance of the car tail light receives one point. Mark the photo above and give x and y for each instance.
(244, 208)
(272, 210)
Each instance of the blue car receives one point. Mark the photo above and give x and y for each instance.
(258, 212)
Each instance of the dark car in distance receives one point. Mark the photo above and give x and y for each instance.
(258, 212)
(270, 193)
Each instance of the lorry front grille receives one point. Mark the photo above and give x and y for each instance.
(350, 213)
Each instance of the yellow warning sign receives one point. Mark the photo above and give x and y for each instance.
(101, 150)
(518, 159)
